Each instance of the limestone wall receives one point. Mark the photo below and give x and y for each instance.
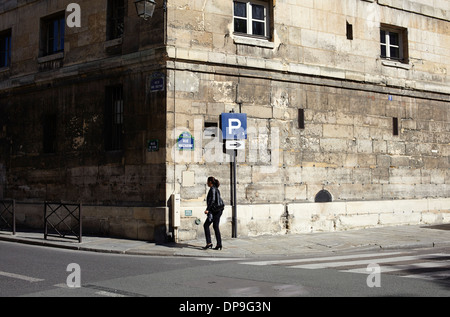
(309, 37)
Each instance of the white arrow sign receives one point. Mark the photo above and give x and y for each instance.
(235, 144)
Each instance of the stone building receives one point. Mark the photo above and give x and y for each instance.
(347, 105)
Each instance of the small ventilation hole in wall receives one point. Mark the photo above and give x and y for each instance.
(323, 196)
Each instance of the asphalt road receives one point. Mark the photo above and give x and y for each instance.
(35, 271)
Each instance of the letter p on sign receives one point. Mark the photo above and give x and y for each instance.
(233, 124)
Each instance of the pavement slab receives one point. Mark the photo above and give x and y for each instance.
(395, 237)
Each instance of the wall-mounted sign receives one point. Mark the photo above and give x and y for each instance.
(234, 126)
(185, 142)
(188, 213)
(157, 82)
(153, 145)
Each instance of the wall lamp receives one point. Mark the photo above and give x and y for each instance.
(145, 8)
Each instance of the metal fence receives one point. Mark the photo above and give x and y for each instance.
(62, 220)
(8, 215)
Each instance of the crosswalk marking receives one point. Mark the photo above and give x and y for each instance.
(427, 266)
(404, 267)
(360, 262)
(330, 258)
(430, 275)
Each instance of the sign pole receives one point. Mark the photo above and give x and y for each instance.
(234, 216)
(234, 132)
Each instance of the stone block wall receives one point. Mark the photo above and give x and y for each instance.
(347, 146)
(309, 37)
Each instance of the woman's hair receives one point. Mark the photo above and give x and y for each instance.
(214, 181)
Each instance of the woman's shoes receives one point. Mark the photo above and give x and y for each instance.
(210, 246)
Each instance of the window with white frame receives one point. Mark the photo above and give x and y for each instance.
(252, 18)
(394, 44)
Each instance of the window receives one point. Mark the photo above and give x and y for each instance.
(252, 18)
(394, 43)
(395, 126)
(52, 34)
(349, 31)
(114, 118)
(115, 19)
(5, 49)
(49, 134)
(301, 119)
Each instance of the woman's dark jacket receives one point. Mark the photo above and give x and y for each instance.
(213, 200)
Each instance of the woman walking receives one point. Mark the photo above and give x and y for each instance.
(213, 211)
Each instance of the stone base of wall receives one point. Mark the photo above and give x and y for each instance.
(273, 219)
(140, 223)
(152, 223)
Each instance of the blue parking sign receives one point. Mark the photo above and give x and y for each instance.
(234, 126)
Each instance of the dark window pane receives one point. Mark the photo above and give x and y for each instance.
(393, 38)
(114, 114)
(395, 52)
(62, 25)
(5, 50)
(383, 37)
(383, 51)
(55, 36)
(257, 12)
(55, 41)
(240, 25)
(258, 28)
(240, 9)
(115, 19)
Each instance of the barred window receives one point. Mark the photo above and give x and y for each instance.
(115, 19)
(114, 118)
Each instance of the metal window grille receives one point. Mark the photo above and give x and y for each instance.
(114, 118)
(115, 19)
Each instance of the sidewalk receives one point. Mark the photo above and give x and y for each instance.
(400, 237)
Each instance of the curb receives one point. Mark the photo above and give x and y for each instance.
(243, 253)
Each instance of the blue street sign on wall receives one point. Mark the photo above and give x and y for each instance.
(234, 126)
(185, 142)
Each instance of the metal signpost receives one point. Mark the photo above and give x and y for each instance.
(234, 133)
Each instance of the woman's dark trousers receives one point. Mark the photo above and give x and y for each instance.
(215, 221)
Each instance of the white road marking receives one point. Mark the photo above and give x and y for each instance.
(365, 262)
(405, 267)
(321, 259)
(109, 294)
(21, 277)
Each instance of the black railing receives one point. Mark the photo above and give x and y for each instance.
(62, 220)
(8, 215)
